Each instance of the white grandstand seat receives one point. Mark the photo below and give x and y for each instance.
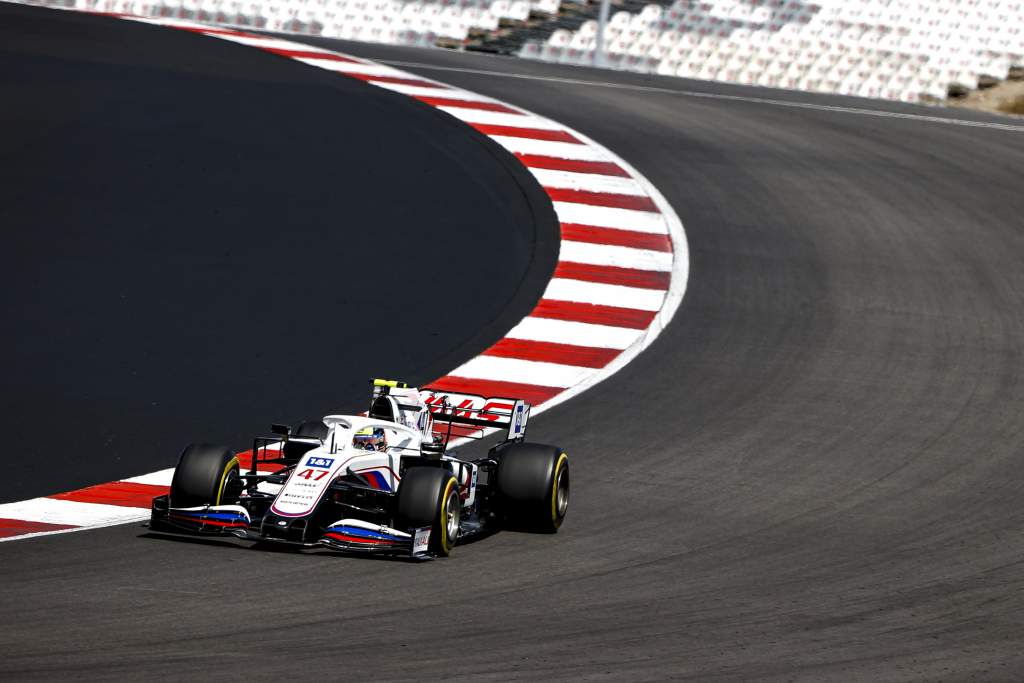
(519, 10)
(500, 8)
(531, 50)
(546, 6)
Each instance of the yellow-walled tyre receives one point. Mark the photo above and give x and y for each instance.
(533, 486)
(429, 496)
(205, 475)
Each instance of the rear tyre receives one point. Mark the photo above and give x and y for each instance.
(429, 496)
(533, 486)
(205, 475)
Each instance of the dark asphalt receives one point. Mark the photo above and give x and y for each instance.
(814, 474)
(202, 239)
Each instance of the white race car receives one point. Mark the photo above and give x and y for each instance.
(381, 482)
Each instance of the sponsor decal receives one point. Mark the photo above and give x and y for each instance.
(517, 419)
(463, 405)
(421, 541)
(324, 463)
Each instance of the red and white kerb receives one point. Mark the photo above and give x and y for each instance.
(621, 274)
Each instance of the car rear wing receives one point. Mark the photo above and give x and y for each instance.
(462, 415)
(450, 409)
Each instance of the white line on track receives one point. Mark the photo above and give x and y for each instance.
(858, 111)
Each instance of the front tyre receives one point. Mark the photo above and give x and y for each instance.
(533, 486)
(205, 475)
(429, 496)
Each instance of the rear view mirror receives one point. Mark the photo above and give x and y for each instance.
(281, 430)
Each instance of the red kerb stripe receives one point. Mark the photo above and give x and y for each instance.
(611, 275)
(245, 462)
(123, 493)
(306, 54)
(607, 199)
(18, 527)
(466, 104)
(532, 393)
(532, 133)
(620, 238)
(594, 314)
(549, 352)
(572, 165)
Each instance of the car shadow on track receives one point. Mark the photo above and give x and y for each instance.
(273, 548)
(281, 548)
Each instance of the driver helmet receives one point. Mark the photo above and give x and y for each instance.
(370, 439)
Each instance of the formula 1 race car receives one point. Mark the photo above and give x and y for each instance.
(382, 482)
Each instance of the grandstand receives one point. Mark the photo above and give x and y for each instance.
(398, 22)
(905, 50)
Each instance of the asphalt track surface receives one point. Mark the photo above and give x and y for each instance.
(814, 473)
(204, 239)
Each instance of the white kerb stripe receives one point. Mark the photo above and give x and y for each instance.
(588, 182)
(604, 295)
(605, 217)
(497, 118)
(167, 21)
(55, 511)
(271, 43)
(522, 371)
(423, 91)
(577, 334)
(619, 257)
(160, 478)
(561, 150)
(351, 68)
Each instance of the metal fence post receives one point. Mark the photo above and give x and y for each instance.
(602, 22)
